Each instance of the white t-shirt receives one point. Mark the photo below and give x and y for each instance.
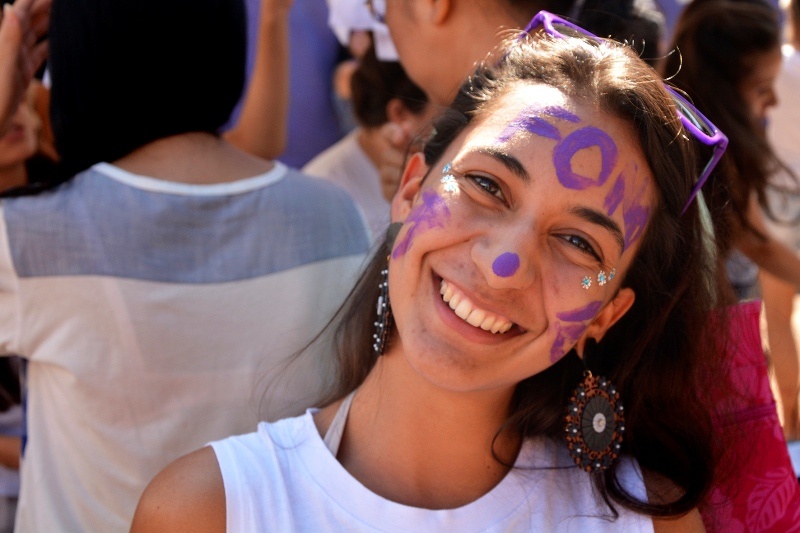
(284, 478)
(152, 315)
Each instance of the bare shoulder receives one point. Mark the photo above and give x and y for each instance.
(691, 522)
(188, 495)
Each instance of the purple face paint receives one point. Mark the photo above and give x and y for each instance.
(635, 213)
(570, 328)
(530, 124)
(506, 264)
(635, 218)
(581, 315)
(430, 213)
(561, 113)
(615, 196)
(573, 143)
(529, 120)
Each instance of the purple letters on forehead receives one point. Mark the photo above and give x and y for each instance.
(570, 327)
(632, 197)
(430, 213)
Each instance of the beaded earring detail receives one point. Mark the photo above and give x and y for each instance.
(595, 424)
(384, 321)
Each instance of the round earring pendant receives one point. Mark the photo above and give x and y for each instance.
(595, 424)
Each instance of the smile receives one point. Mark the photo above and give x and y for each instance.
(470, 313)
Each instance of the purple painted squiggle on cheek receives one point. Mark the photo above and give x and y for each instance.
(506, 265)
(569, 330)
(431, 213)
(581, 315)
(578, 140)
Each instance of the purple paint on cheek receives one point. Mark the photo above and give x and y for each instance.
(430, 213)
(530, 124)
(573, 326)
(506, 264)
(561, 113)
(581, 315)
(573, 143)
(566, 337)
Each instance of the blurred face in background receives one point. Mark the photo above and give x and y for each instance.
(758, 87)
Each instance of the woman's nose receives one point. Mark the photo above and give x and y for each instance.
(504, 263)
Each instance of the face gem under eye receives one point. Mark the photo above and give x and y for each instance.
(584, 138)
(450, 183)
(431, 213)
(506, 264)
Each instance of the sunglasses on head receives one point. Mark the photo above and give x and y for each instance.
(692, 119)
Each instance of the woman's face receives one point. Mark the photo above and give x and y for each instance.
(514, 245)
(758, 88)
(21, 140)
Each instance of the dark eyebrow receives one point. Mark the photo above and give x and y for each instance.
(508, 161)
(601, 219)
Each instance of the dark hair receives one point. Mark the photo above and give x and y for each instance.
(655, 353)
(128, 72)
(717, 43)
(375, 83)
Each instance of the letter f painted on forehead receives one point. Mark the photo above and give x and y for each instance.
(530, 120)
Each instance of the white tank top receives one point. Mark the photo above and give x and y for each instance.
(285, 477)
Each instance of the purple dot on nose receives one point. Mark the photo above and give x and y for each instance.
(506, 264)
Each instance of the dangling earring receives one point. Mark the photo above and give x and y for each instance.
(595, 423)
(384, 321)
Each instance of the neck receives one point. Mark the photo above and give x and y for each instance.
(13, 176)
(428, 434)
(194, 158)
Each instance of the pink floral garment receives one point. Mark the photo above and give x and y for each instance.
(760, 492)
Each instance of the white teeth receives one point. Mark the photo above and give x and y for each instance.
(466, 310)
(476, 317)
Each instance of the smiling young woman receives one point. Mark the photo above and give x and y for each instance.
(544, 268)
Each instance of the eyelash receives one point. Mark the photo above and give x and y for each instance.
(488, 185)
(582, 245)
(492, 188)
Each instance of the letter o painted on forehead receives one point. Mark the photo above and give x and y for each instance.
(573, 143)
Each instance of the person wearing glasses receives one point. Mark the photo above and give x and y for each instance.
(512, 357)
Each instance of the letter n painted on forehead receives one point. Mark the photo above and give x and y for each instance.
(630, 190)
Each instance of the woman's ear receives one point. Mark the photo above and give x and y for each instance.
(608, 316)
(410, 185)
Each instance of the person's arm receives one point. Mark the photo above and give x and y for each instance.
(261, 128)
(20, 54)
(188, 496)
(769, 254)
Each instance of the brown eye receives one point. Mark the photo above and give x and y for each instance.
(582, 244)
(488, 185)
